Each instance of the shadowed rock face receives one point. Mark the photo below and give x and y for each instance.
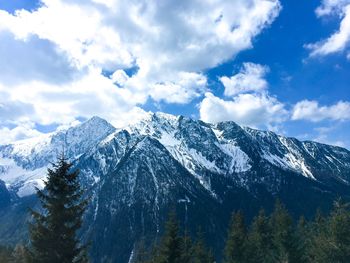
(5, 197)
(204, 171)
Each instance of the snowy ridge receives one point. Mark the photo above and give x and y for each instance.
(204, 150)
(240, 160)
(23, 164)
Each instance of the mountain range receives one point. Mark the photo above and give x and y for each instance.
(134, 176)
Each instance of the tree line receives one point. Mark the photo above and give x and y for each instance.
(273, 238)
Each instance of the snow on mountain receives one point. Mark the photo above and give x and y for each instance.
(134, 175)
(224, 149)
(23, 164)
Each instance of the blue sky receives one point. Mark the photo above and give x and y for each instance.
(278, 65)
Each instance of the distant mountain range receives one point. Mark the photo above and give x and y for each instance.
(204, 171)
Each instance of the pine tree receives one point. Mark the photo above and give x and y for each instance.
(5, 254)
(186, 248)
(259, 240)
(171, 243)
(236, 240)
(283, 238)
(318, 235)
(141, 255)
(201, 254)
(20, 254)
(302, 240)
(339, 227)
(53, 232)
(332, 243)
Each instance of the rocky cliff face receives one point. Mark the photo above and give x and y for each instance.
(204, 171)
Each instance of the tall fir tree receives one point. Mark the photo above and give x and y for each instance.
(53, 234)
(303, 242)
(201, 253)
(259, 246)
(339, 230)
(187, 249)
(317, 237)
(171, 243)
(5, 254)
(283, 235)
(332, 242)
(20, 254)
(236, 241)
(141, 254)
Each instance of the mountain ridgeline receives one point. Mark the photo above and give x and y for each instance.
(134, 176)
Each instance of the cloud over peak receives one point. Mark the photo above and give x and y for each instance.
(246, 109)
(170, 42)
(250, 78)
(312, 111)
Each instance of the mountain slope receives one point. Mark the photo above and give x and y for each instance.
(205, 171)
(23, 164)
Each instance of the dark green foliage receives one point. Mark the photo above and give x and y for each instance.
(331, 241)
(277, 238)
(283, 236)
(259, 244)
(19, 254)
(53, 232)
(177, 248)
(5, 254)
(141, 254)
(201, 254)
(339, 233)
(171, 243)
(270, 239)
(302, 240)
(236, 240)
(187, 250)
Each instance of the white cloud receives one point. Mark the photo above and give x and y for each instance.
(339, 40)
(119, 77)
(65, 46)
(24, 131)
(255, 110)
(12, 111)
(250, 78)
(190, 85)
(47, 103)
(249, 103)
(329, 7)
(310, 110)
(33, 59)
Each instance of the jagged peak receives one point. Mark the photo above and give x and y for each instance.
(166, 116)
(96, 120)
(154, 117)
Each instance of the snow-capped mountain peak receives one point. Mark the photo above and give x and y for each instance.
(225, 149)
(134, 175)
(23, 163)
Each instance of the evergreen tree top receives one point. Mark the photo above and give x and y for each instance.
(54, 230)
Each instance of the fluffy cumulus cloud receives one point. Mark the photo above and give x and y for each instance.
(339, 40)
(255, 110)
(312, 111)
(189, 85)
(55, 56)
(20, 132)
(247, 100)
(250, 78)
